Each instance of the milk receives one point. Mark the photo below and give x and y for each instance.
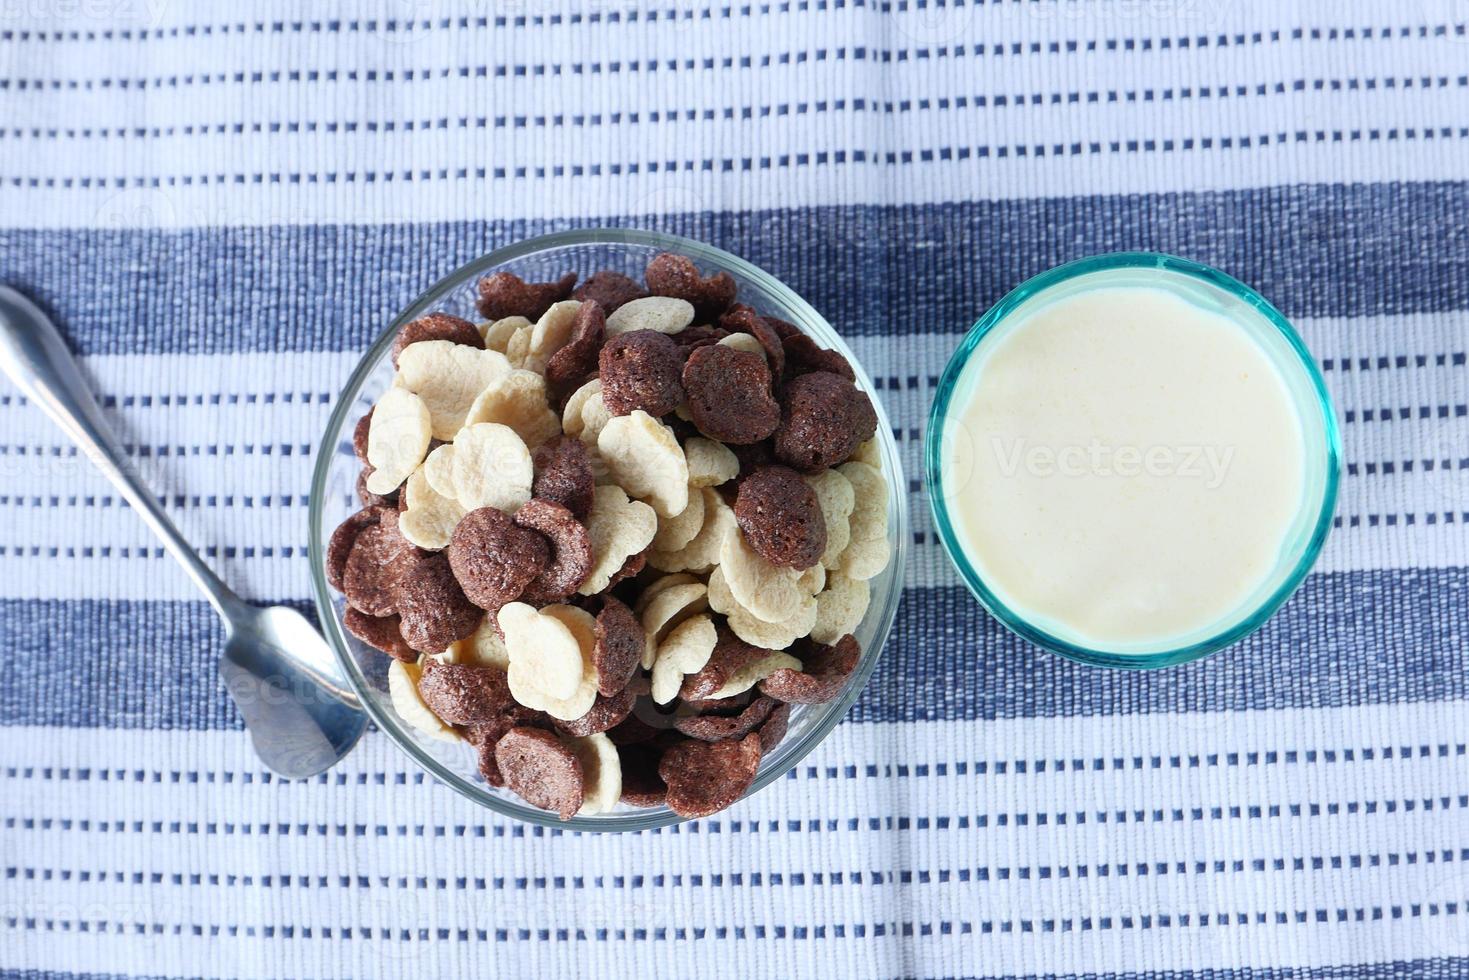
(1123, 467)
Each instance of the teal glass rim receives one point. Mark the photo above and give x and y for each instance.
(1016, 621)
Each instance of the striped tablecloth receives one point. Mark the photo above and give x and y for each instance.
(225, 202)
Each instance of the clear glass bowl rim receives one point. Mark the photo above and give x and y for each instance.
(806, 316)
(938, 414)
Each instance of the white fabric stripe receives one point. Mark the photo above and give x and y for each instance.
(277, 484)
(313, 148)
(1391, 847)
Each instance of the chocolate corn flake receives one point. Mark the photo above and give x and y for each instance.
(803, 356)
(824, 418)
(570, 366)
(564, 475)
(698, 335)
(571, 550)
(641, 369)
(609, 290)
(380, 632)
(706, 777)
(781, 517)
(743, 319)
(506, 294)
(731, 655)
(437, 326)
(712, 727)
(676, 275)
(493, 558)
(359, 436)
(824, 673)
(641, 784)
(486, 736)
(464, 694)
(434, 608)
(619, 646)
(339, 545)
(775, 727)
(606, 712)
(369, 577)
(541, 769)
(729, 395)
(631, 566)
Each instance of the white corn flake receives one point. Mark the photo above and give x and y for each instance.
(868, 551)
(550, 334)
(837, 498)
(518, 400)
(583, 627)
(677, 531)
(700, 554)
(497, 335)
(619, 527)
(397, 439)
(751, 628)
(665, 314)
(710, 463)
(492, 467)
(438, 468)
(545, 655)
(644, 458)
(840, 607)
(517, 348)
(448, 377)
(685, 650)
(482, 648)
(743, 342)
(659, 584)
(594, 416)
(768, 591)
(601, 768)
(668, 607)
(571, 422)
(869, 452)
(428, 518)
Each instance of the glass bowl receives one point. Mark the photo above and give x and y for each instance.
(1212, 290)
(333, 497)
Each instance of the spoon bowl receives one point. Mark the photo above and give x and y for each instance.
(301, 714)
(280, 673)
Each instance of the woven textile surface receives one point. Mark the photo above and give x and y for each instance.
(224, 203)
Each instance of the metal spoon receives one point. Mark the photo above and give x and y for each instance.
(302, 715)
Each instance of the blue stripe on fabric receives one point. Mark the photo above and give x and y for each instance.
(483, 179)
(1435, 968)
(1429, 968)
(876, 271)
(673, 13)
(1038, 94)
(737, 62)
(837, 874)
(1366, 637)
(15, 974)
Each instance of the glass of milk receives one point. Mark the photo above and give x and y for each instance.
(1133, 460)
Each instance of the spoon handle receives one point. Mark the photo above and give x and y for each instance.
(35, 357)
